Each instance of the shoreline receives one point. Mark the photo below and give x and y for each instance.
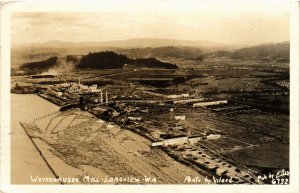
(25, 158)
(40, 152)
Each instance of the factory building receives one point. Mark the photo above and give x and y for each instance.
(135, 118)
(76, 87)
(209, 103)
(179, 117)
(213, 136)
(168, 96)
(44, 76)
(184, 101)
(177, 140)
(93, 88)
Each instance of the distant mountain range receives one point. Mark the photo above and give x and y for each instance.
(162, 49)
(168, 52)
(132, 43)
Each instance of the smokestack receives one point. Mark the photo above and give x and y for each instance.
(79, 87)
(101, 99)
(171, 113)
(106, 99)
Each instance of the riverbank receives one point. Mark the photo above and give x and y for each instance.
(25, 159)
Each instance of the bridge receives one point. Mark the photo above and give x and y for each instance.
(46, 115)
(63, 108)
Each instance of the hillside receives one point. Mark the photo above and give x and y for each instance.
(40, 66)
(95, 60)
(264, 51)
(32, 54)
(194, 53)
(278, 52)
(152, 63)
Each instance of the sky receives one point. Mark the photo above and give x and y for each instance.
(226, 27)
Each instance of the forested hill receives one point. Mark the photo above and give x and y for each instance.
(40, 66)
(108, 59)
(96, 60)
(103, 60)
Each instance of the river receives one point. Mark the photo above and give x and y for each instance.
(25, 159)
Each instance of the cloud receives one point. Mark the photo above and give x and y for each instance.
(256, 27)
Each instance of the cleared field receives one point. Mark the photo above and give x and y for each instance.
(239, 135)
(257, 156)
(153, 73)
